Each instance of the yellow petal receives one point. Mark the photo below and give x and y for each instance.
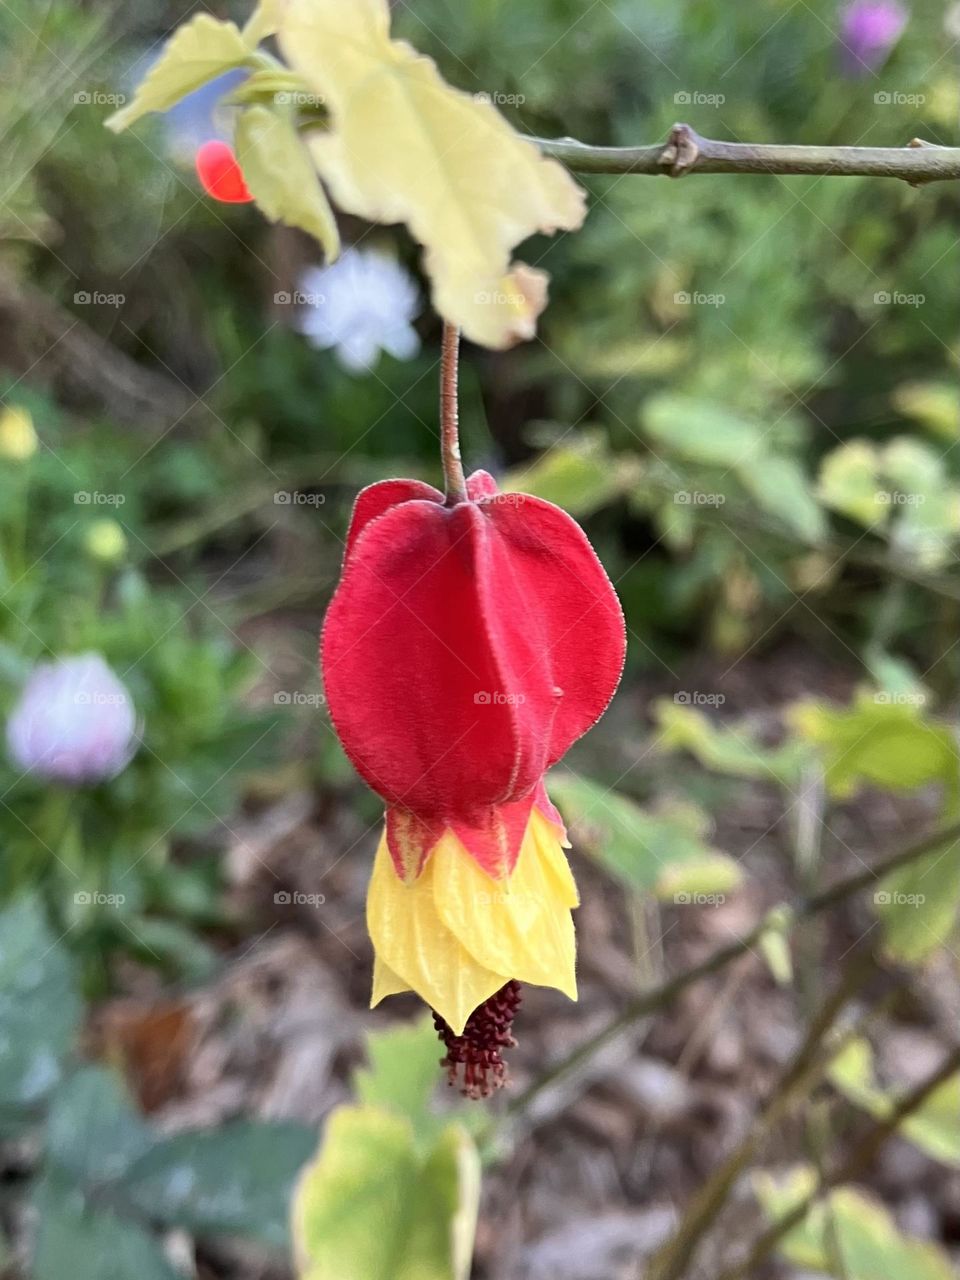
(551, 843)
(385, 982)
(519, 926)
(411, 940)
(406, 147)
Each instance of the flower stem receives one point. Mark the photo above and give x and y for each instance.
(454, 483)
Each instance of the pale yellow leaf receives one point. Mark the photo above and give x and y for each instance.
(281, 176)
(406, 147)
(263, 22)
(200, 50)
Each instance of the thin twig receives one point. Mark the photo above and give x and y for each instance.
(657, 997)
(849, 1170)
(798, 1078)
(686, 151)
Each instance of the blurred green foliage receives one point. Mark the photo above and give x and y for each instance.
(745, 388)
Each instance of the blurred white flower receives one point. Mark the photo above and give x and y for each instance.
(75, 722)
(360, 305)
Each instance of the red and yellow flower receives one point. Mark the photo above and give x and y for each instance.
(466, 647)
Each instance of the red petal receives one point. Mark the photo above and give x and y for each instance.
(546, 573)
(220, 174)
(493, 838)
(412, 679)
(410, 840)
(549, 809)
(481, 485)
(464, 650)
(378, 498)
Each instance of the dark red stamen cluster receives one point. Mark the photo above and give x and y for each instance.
(474, 1060)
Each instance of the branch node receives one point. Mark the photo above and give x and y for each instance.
(681, 151)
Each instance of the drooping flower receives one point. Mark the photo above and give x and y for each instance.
(869, 30)
(74, 722)
(220, 174)
(360, 305)
(466, 647)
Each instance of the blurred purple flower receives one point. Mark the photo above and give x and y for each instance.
(75, 722)
(199, 118)
(361, 304)
(869, 30)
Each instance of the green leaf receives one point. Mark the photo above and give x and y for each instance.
(918, 904)
(934, 1127)
(664, 853)
(234, 1181)
(94, 1134)
(780, 486)
(76, 1240)
(935, 405)
(727, 750)
(39, 1006)
(871, 1246)
(701, 431)
(370, 1208)
(581, 477)
(444, 1219)
(879, 740)
(850, 483)
(200, 50)
(403, 1074)
(774, 944)
(281, 176)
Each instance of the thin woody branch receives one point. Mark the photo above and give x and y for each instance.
(658, 997)
(686, 151)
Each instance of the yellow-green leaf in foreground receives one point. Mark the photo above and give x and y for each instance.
(406, 147)
(854, 1225)
(281, 176)
(200, 50)
(371, 1208)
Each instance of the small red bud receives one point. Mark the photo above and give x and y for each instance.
(220, 173)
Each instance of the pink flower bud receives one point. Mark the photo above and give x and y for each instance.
(75, 722)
